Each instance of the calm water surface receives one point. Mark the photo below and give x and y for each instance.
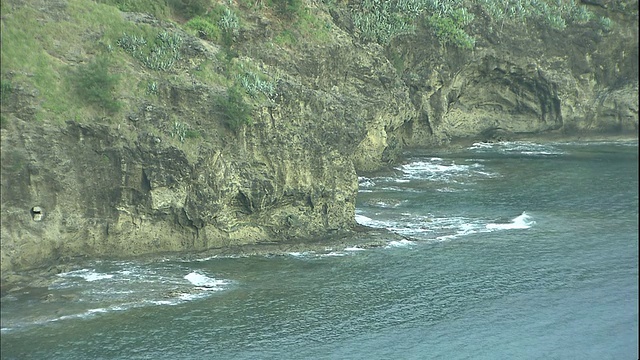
(513, 251)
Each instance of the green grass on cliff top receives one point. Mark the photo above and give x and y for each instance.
(41, 51)
(44, 46)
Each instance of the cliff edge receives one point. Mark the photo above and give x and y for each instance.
(173, 125)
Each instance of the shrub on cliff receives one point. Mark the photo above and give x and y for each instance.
(96, 85)
(380, 21)
(204, 28)
(289, 9)
(219, 25)
(5, 89)
(255, 83)
(236, 112)
(189, 8)
(450, 29)
(160, 53)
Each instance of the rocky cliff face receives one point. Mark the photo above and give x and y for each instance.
(133, 182)
(530, 80)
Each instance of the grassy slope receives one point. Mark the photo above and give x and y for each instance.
(44, 50)
(40, 54)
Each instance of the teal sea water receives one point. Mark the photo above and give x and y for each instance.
(513, 250)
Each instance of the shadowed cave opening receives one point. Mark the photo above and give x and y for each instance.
(37, 213)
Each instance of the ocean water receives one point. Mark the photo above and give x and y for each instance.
(512, 250)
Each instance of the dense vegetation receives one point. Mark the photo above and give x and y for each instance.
(381, 21)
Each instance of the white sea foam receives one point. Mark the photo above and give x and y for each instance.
(364, 182)
(518, 147)
(420, 168)
(83, 315)
(164, 302)
(422, 227)
(206, 258)
(353, 248)
(301, 254)
(95, 311)
(89, 313)
(523, 221)
(598, 142)
(449, 190)
(547, 153)
(334, 253)
(86, 274)
(438, 169)
(363, 220)
(480, 145)
(191, 296)
(433, 228)
(400, 243)
(204, 282)
(462, 227)
(448, 237)
(97, 292)
(390, 203)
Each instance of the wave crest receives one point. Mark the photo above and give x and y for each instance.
(523, 221)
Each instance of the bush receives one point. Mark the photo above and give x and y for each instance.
(96, 85)
(161, 54)
(255, 84)
(152, 88)
(204, 28)
(190, 8)
(580, 14)
(448, 31)
(380, 21)
(230, 25)
(286, 37)
(192, 134)
(220, 24)
(182, 131)
(555, 14)
(605, 23)
(6, 88)
(555, 21)
(235, 110)
(289, 9)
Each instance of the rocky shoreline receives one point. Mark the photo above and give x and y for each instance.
(254, 142)
(363, 237)
(38, 279)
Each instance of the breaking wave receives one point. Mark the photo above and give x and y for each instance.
(109, 287)
(517, 147)
(204, 282)
(437, 169)
(523, 221)
(432, 228)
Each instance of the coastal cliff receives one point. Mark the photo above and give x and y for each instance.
(171, 127)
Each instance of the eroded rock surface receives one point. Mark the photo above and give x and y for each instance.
(128, 186)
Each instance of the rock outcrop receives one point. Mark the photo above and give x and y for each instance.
(135, 183)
